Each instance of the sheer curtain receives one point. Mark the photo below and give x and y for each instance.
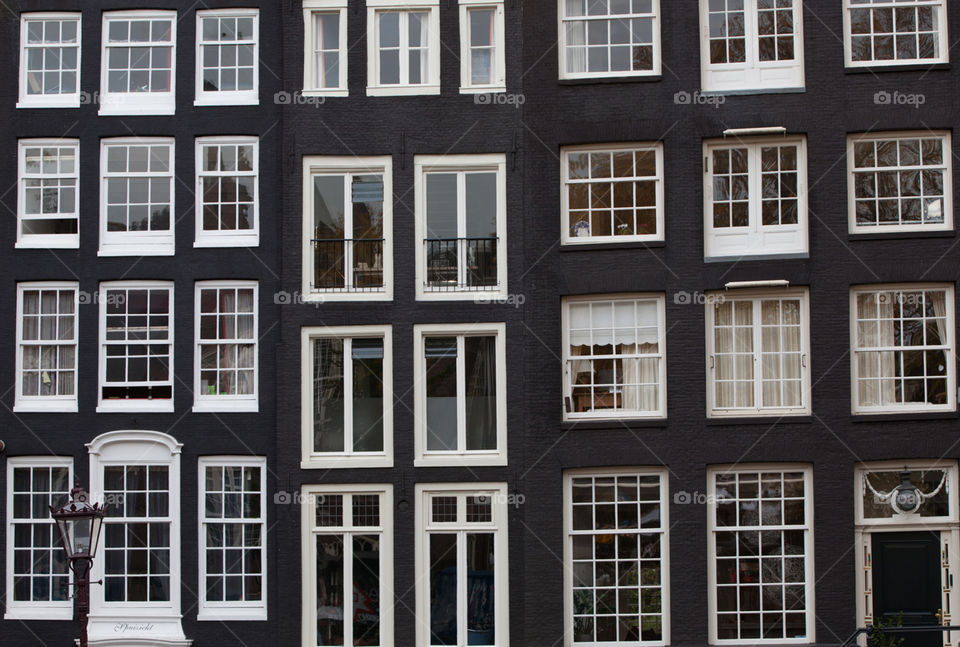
(733, 371)
(576, 37)
(876, 369)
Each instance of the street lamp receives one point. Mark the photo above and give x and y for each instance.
(79, 525)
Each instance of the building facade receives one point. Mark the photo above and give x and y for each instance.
(483, 322)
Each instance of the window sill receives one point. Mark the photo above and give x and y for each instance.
(403, 90)
(461, 460)
(224, 99)
(902, 235)
(237, 614)
(121, 109)
(603, 80)
(612, 245)
(489, 89)
(117, 249)
(904, 416)
(228, 241)
(46, 407)
(134, 406)
(475, 296)
(227, 406)
(733, 92)
(45, 613)
(318, 298)
(613, 424)
(346, 462)
(873, 68)
(320, 93)
(756, 257)
(765, 419)
(73, 102)
(56, 242)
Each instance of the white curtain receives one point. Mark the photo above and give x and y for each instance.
(875, 329)
(576, 37)
(733, 370)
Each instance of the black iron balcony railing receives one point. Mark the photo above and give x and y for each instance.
(461, 264)
(348, 265)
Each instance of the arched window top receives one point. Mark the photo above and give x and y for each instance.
(144, 445)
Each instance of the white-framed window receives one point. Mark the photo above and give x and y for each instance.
(761, 572)
(614, 357)
(903, 348)
(136, 475)
(755, 197)
(616, 557)
(228, 196)
(609, 39)
(325, 47)
(936, 482)
(348, 228)
(612, 193)
(48, 208)
(137, 197)
(38, 576)
(226, 334)
(138, 75)
(751, 45)
(461, 226)
(462, 564)
(461, 394)
(482, 46)
(49, 60)
(403, 47)
(47, 346)
(228, 57)
(347, 396)
(758, 352)
(882, 33)
(347, 546)
(136, 346)
(900, 182)
(233, 538)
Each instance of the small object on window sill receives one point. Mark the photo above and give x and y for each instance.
(581, 229)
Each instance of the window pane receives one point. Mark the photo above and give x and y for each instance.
(481, 392)
(328, 395)
(330, 590)
(443, 589)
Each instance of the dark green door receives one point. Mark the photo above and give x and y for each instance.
(906, 579)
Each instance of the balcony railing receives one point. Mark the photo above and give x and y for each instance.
(347, 265)
(461, 264)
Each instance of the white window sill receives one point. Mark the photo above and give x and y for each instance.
(477, 296)
(38, 406)
(226, 406)
(402, 90)
(228, 99)
(900, 229)
(461, 460)
(135, 104)
(755, 413)
(609, 240)
(345, 462)
(252, 240)
(586, 76)
(893, 411)
(56, 241)
(328, 297)
(900, 63)
(483, 89)
(116, 249)
(135, 406)
(621, 415)
(71, 101)
(234, 614)
(332, 92)
(40, 613)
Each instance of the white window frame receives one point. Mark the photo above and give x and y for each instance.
(461, 457)
(498, 526)
(46, 403)
(108, 405)
(951, 371)
(348, 458)
(753, 75)
(71, 100)
(756, 296)
(568, 534)
(499, 68)
(943, 36)
(151, 624)
(46, 241)
(311, 9)
(310, 495)
(461, 165)
(228, 97)
(431, 84)
(760, 240)
(225, 403)
(347, 165)
(639, 147)
(15, 610)
(239, 610)
(616, 414)
(162, 243)
(809, 537)
(229, 237)
(562, 46)
(137, 103)
(946, 143)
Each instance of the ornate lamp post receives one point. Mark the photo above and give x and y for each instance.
(79, 525)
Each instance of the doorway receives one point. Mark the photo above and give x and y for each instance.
(906, 580)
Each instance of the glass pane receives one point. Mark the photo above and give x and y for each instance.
(328, 404)
(441, 367)
(366, 590)
(481, 392)
(367, 395)
(481, 595)
(330, 590)
(443, 589)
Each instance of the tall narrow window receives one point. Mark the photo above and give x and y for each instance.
(461, 398)
(233, 538)
(136, 346)
(325, 47)
(46, 347)
(226, 355)
(227, 192)
(48, 195)
(136, 197)
(403, 47)
(348, 595)
(614, 355)
(757, 347)
(461, 224)
(755, 195)
(138, 63)
(880, 33)
(347, 395)
(616, 557)
(482, 47)
(761, 555)
(903, 353)
(38, 577)
(751, 45)
(227, 57)
(609, 39)
(461, 562)
(347, 225)
(49, 60)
